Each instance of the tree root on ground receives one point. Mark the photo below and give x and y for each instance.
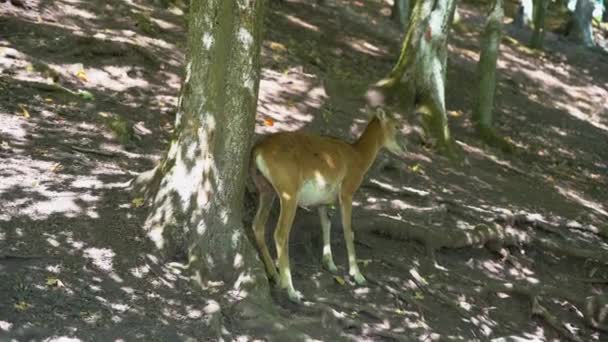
(329, 313)
(594, 309)
(492, 235)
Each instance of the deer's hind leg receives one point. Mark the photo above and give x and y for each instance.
(266, 198)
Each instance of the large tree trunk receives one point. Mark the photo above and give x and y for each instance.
(196, 192)
(538, 35)
(423, 61)
(581, 28)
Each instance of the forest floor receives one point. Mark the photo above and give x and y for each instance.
(87, 101)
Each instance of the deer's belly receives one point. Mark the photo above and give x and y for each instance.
(317, 192)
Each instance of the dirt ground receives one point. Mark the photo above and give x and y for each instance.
(87, 100)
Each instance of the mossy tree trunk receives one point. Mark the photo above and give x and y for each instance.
(538, 35)
(423, 61)
(196, 192)
(582, 28)
(486, 75)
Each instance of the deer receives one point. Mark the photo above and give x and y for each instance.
(308, 170)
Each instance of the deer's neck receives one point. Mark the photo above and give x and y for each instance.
(369, 144)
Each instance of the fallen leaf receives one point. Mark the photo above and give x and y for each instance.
(417, 168)
(138, 202)
(48, 100)
(21, 306)
(339, 280)
(277, 47)
(82, 75)
(455, 113)
(400, 312)
(54, 282)
(268, 122)
(24, 111)
(29, 68)
(364, 262)
(418, 295)
(56, 167)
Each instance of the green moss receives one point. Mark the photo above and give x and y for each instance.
(489, 136)
(144, 22)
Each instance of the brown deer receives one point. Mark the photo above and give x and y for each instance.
(310, 170)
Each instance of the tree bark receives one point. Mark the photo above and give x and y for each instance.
(486, 75)
(582, 29)
(423, 61)
(196, 192)
(538, 35)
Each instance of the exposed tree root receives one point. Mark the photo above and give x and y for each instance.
(492, 235)
(89, 150)
(146, 183)
(399, 295)
(423, 285)
(593, 308)
(329, 313)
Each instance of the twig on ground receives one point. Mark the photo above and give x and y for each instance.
(542, 312)
(88, 150)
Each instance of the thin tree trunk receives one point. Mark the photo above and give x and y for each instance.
(401, 11)
(423, 61)
(538, 35)
(525, 14)
(582, 29)
(197, 191)
(486, 74)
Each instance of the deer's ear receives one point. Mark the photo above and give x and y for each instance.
(381, 114)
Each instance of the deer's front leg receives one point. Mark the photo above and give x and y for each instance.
(328, 260)
(346, 203)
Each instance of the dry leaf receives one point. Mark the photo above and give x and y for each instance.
(268, 122)
(82, 75)
(54, 282)
(56, 167)
(24, 111)
(417, 168)
(364, 262)
(21, 306)
(48, 100)
(138, 202)
(277, 47)
(339, 280)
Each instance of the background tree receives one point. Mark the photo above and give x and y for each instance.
(525, 14)
(486, 74)
(581, 28)
(422, 64)
(401, 11)
(196, 192)
(538, 35)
